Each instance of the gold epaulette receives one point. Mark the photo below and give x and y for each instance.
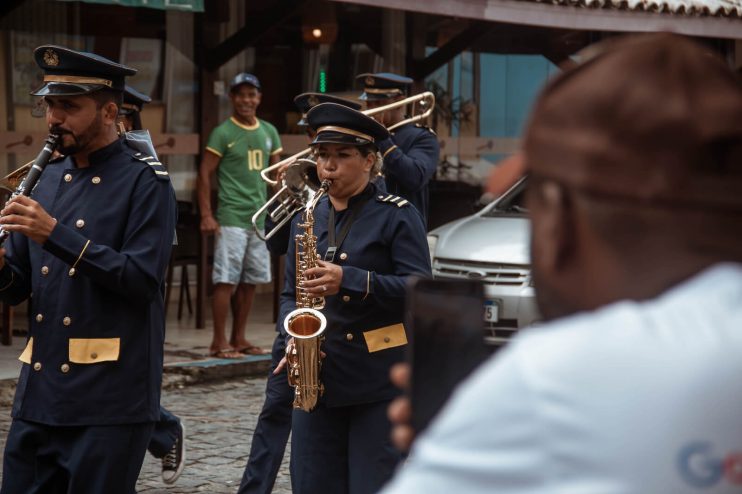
(392, 199)
(421, 126)
(155, 165)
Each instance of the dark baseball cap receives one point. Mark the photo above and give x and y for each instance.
(244, 78)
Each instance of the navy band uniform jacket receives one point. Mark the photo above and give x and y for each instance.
(410, 159)
(364, 336)
(96, 315)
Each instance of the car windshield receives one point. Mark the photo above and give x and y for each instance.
(512, 202)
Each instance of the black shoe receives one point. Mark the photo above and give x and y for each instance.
(174, 461)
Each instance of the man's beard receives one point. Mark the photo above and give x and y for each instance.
(550, 300)
(79, 142)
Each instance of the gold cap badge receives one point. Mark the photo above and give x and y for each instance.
(313, 101)
(51, 58)
(370, 81)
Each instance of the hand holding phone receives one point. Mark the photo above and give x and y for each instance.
(445, 322)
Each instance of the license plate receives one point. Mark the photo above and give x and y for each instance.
(491, 311)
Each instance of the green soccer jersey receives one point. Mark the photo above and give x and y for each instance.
(243, 151)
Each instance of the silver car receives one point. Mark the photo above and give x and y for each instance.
(493, 246)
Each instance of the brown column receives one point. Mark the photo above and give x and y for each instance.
(206, 35)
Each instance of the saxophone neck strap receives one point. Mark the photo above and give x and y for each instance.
(334, 242)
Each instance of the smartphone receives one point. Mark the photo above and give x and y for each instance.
(445, 322)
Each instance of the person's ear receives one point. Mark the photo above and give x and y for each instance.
(369, 163)
(110, 113)
(553, 227)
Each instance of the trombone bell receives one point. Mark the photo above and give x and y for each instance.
(301, 174)
(300, 181)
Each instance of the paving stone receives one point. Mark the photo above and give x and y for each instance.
(220, 418)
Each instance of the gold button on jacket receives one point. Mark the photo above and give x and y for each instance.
(67, 321)
(95, 180)
(349, 336)
(45, 270)
(65, 368)
(343, 256)
(37, 366)
(346, 298)
(80, 223)
(68, 178)
(39, 317)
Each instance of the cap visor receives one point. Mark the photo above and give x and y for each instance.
(330, 137)
(233, 88)
(66, 89)
(377, 97)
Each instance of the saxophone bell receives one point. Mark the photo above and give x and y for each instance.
(305, 323)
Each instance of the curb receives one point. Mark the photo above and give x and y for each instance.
(181, 374)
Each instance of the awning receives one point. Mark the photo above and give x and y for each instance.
(712, 18)
(184, 5)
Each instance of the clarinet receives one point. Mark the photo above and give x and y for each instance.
(29, 181)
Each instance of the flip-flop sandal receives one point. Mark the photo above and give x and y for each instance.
(226, 353)
(254, 350)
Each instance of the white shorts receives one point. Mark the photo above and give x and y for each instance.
(240, 257)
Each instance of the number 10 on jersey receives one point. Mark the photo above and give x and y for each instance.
(254, 159)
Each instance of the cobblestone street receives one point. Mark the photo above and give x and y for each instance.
(220, 419)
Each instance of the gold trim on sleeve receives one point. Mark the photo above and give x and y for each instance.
(368, 284)
(388, 151)
(81, 253)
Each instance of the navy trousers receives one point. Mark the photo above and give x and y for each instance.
(272, 431)
(342, 450)
(44, 459)
(164, 434)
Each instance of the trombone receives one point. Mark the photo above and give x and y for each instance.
(301, 174)
(425, 100)
(300, 177)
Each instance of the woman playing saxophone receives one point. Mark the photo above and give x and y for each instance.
(368, 243)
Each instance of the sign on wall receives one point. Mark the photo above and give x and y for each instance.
(184, 5)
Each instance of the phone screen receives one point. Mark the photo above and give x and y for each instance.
(445, 323)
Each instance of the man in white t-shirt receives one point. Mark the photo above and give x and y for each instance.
(635, 383)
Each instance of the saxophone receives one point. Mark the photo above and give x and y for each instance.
(306, 323)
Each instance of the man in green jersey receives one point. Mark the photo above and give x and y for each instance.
(237, 151)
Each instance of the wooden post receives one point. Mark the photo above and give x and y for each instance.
(205, 37)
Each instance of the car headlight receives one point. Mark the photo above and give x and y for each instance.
(432, 241)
